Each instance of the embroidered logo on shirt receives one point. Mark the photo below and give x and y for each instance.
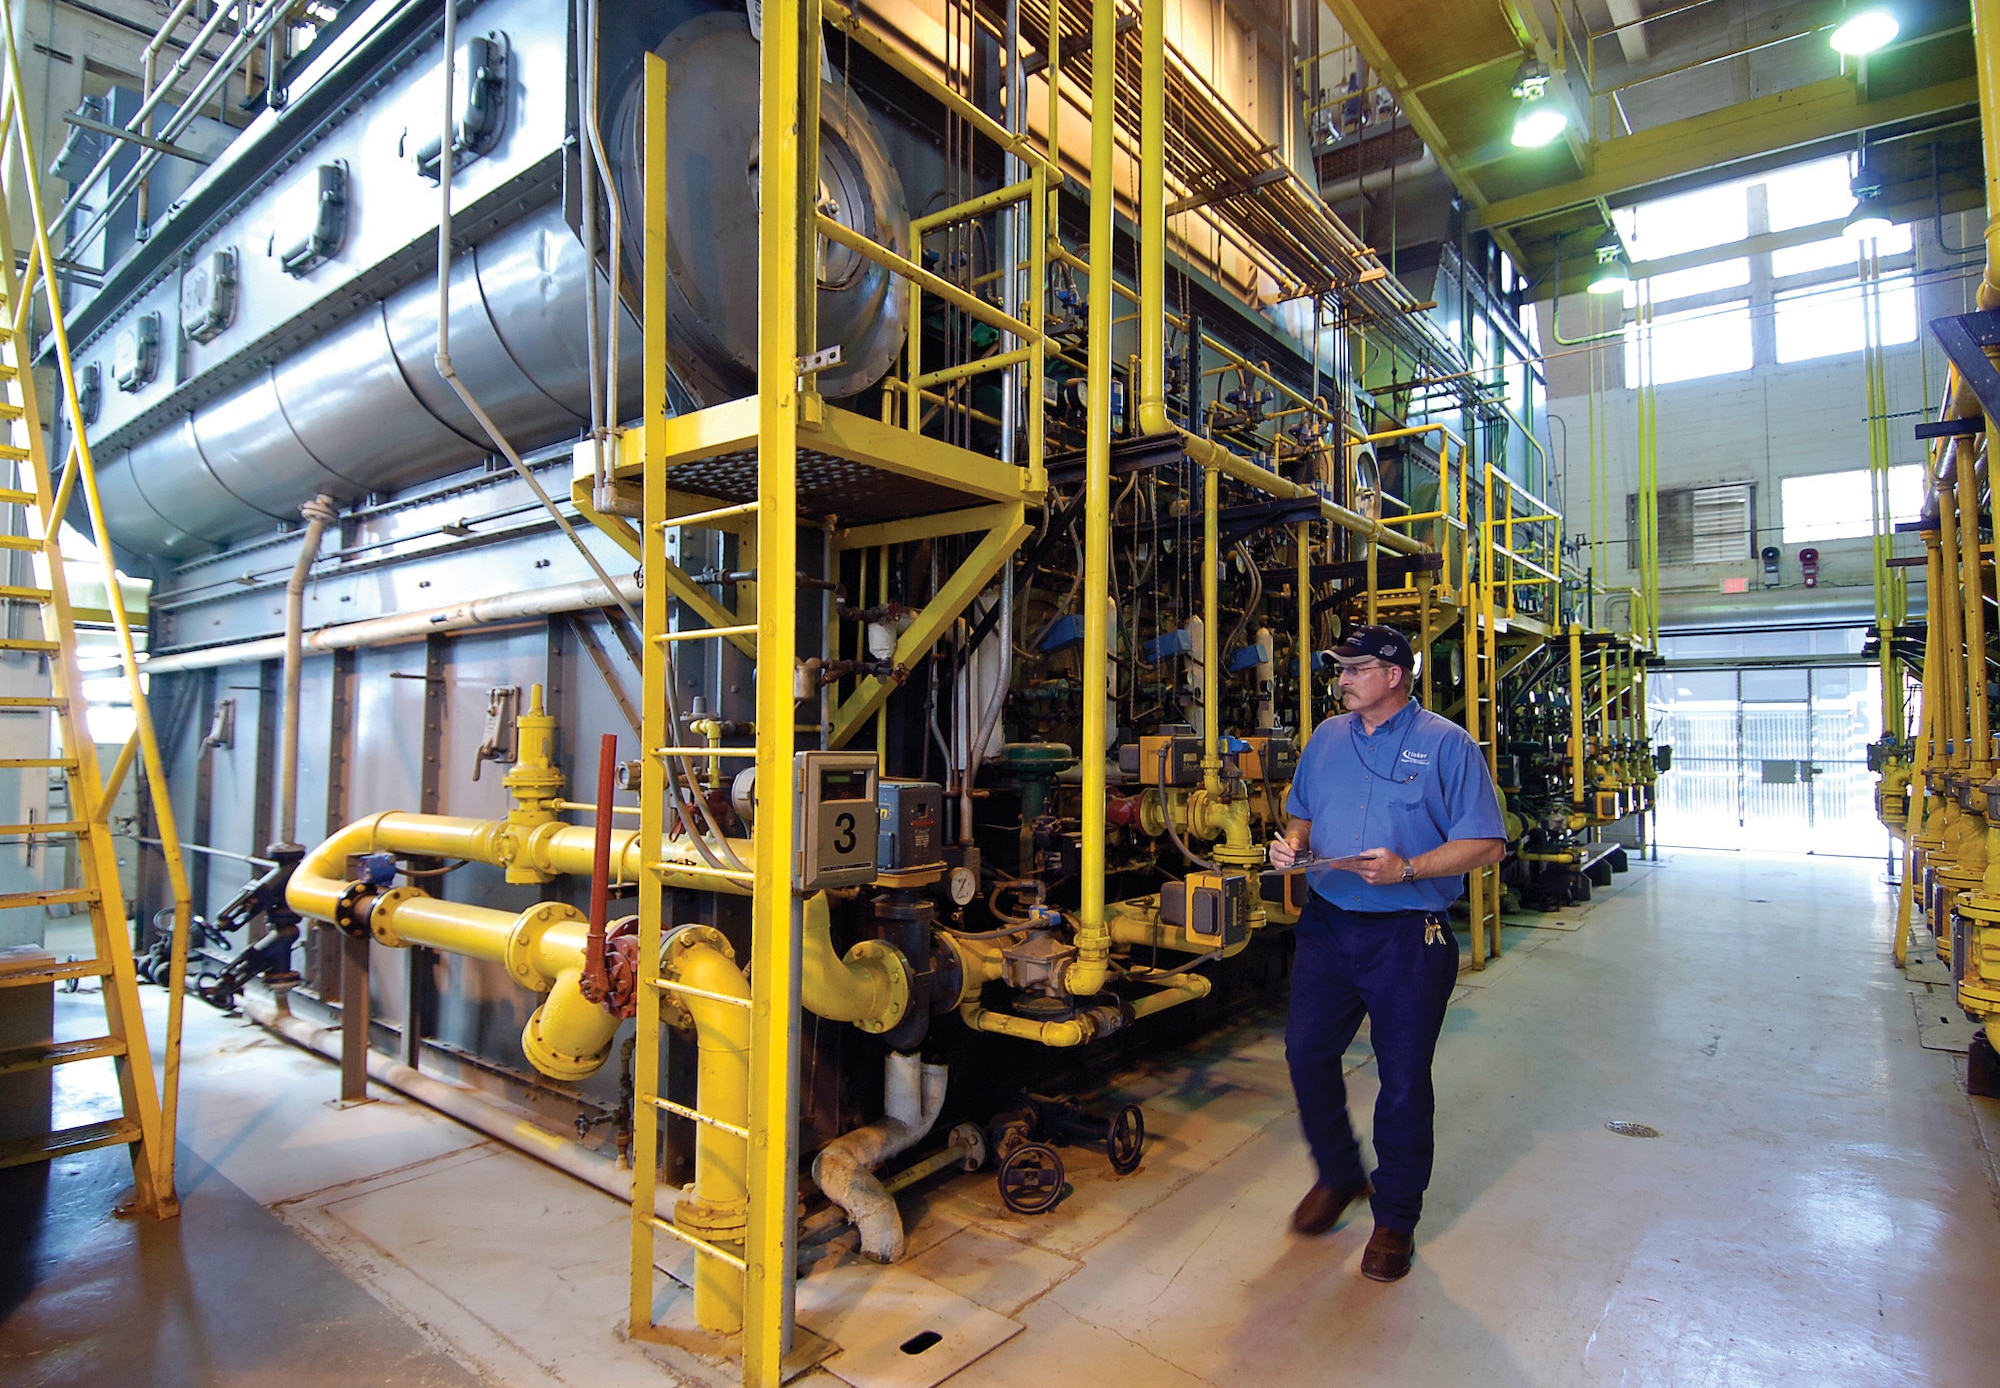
(1420, 758)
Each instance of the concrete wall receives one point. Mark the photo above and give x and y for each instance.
(1759, 426)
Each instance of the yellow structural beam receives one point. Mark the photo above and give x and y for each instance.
(1783, 120)
(936, 617)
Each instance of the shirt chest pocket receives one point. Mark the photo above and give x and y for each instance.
(1411, 795)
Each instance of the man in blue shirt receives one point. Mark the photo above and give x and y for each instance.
(1403, 802)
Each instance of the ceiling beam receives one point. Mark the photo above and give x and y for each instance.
(1801, 116)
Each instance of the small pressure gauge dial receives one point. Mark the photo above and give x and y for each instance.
(963, 885)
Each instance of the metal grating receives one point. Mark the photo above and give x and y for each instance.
(829, 486)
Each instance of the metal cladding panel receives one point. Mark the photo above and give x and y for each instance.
(133, 522)
(392, 209)
(536, 293)
(505, 387)
(254, 452)
(175, 480)
(347, 400)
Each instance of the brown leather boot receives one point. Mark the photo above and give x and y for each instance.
(1388, 1255)
(1324, 1204)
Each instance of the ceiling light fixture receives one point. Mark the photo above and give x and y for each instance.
(1539, 119)
(1870, 217)
(1613, 272)
(1872, 29)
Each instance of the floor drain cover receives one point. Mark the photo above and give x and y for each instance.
(1624, 1129)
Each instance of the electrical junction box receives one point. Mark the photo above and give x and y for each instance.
(910, 833)
(1267, 757)
(208, 296)
(1065, 634)
(1179, 641)
(1606, 804)
(1213, 907)
(835, 819)
(311, 220)
(135, 355)
(1181, 766)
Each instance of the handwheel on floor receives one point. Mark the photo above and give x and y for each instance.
(1031, 1179)
(1126, 1140)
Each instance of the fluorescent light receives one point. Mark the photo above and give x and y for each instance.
(1865, 32)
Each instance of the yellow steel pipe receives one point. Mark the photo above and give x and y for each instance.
(717, 1210)
(969, 304)
(973, 207)
(1086, 976)
(1211, 631)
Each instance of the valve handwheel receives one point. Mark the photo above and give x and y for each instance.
(1125, 1140)
(1031, 1179)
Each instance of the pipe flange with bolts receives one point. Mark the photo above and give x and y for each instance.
(359, 912)
(898, 969)
(673, 1008)
(521, 945)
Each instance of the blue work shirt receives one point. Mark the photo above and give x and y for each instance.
(1416, 782)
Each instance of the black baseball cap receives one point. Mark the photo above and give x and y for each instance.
(1377, 643)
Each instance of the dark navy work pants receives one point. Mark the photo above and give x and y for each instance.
(1351, 965)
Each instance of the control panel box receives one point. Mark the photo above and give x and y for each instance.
(1213, 907)
(910, 834)
(1269, 757)
(837, 814)
(1166, 761)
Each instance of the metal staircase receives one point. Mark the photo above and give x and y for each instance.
(32, 506)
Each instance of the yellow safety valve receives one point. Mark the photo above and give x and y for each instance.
(535, 782)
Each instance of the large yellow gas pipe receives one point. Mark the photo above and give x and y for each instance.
(543, 946)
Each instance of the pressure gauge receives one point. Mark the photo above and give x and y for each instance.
(962, 885)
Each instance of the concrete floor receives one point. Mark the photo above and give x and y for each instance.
(1821, 1206)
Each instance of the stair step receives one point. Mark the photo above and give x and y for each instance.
(16, 1060)
(64, 896)
(55, 973)
(68, 1142)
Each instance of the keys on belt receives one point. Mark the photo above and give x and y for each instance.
(1433, 930)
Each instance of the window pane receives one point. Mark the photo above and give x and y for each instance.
(1702, 279)
(1838, 250)
(1827, 320)
(1809, 194)
(1699, 342)
(1690, 222)
(1836, 506)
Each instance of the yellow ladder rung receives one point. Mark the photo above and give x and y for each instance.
(15, 643)
(700, 870)
(699, 518)
(26, 544)
(24, 594)
(14, 496)
(15, 453)
(698, 1243)
(672, 986)
(697, 1116)
(55, 897)
(68, 1141)
(23, 702)
(17, 1060)
(740, 753)
(706, 634)
(54, 826)
(56, 973)
(9, 410)
(44, 763)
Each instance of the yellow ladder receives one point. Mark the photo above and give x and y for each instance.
(1482, 720)
(32, 506)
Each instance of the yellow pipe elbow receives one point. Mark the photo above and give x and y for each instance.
(1173, 992)
(870, 987)
(1073, 1031)
(568, 1037)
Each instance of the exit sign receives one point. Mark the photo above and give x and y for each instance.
(1735, 585)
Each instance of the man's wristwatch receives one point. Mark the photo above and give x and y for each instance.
(1409, 871)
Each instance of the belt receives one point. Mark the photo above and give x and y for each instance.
(1379, 915)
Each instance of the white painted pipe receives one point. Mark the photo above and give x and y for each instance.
(412, 626)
